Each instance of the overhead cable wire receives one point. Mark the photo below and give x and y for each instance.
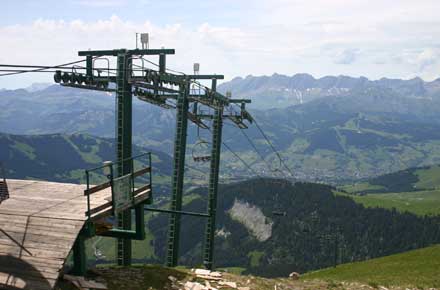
(42, 69)
(168, 69)
(150, 62)
(224, 144)
(273, 148)
(241, 160)
(255, 149)
(238, 157)
(25, 71)
(253, 144)
(62, 67)
(271, 145)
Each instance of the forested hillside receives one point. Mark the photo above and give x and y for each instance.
(303, 239)
(318, 228)
(64, 158)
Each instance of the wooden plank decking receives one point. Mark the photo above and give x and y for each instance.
(38, 227)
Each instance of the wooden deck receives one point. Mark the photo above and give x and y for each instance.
(38, 227)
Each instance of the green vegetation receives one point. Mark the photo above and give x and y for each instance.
(187, 199)
(25, 149)
(412, 179)
(300, 241)
(296, 241)
(155, 277)
(429, 177)
(361, 187)
(142, 250)
(416, 190)
(327, 138)
(255, 257)
(140, 277)
(418, 268)
(233, 270)
(64, 158)
(417, 202)
(88, 152)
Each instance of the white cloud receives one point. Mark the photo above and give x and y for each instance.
(347, 56)
(428, 57)
(359, 37)
(51, 42)
(101, 3)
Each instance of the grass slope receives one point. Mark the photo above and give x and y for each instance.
(412, 179)
(155, 277)
(417, 202)
(429, 178)
(418, 268)
(415, 190)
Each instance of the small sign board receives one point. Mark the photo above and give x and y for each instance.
(122, 192)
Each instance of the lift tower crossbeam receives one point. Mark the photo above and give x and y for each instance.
(116, 52)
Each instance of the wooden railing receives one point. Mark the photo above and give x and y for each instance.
(4, 192)
(136, 194)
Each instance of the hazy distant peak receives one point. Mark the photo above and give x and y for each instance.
(279, 90)
(37, 87)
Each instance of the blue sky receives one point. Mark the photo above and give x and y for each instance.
(395, 39)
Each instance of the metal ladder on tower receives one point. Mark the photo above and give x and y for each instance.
(177, 186)
(120, 93)
(213, 189)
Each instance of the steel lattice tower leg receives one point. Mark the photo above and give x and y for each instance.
(178, 175)
(213, 189)
(124, 144)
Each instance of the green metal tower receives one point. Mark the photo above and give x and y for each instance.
(123, 145)
(217, 127)
(210, 98)
(157, 87)
(124, 83)
(178, 174)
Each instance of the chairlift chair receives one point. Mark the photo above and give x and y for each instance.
(197, 151)
(278, 211)
(200, 150)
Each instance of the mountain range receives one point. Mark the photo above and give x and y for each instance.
(279, 91)
(348, 128)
